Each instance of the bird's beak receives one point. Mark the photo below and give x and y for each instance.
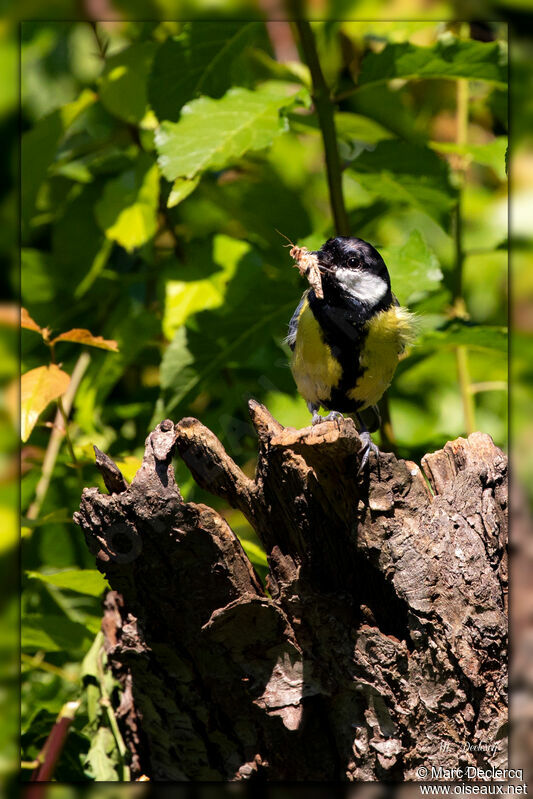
(324, 263)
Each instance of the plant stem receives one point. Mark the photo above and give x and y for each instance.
(325, 107)
(461, 137)
(35, 663)
(279, 30)
(457, 276)
(467, 396)
(101, 42)
(105, 701)
(68, 439)
(461, 353)
(56, 435)
(325, 112)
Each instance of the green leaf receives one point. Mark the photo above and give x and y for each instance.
(255, 554)
(36, 285)
(353, 129)
(181, 188)
(38, 149)
(102, 757)
(207, 58)
(388, 107)
(123, 88)
(37, 729)
(256, 308)
(212, 134)
(413, 267)
(403, 172)
(350, 127)
(493, 154)
(68, 769)
(132, 327)
(459, 333)
(97, 266)
(128, 207)
(266, 67)
(83, 581)
(89, 666)
(450, 57)
(179, 371)
(185, 297)
(258, 203)
(53, 633)
(355, 132)
(76, 239)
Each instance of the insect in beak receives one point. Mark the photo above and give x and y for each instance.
(321, 265)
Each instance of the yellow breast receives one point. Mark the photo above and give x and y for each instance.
(315, 371)
(389, 332)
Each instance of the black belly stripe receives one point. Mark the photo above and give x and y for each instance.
(344, 329)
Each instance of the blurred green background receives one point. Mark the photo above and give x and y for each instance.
(159, 160)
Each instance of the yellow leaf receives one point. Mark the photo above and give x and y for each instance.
(27, 322)
(86, 337)
(129, 466)
(38, 387)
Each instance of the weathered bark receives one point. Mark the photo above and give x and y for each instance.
(380, 645)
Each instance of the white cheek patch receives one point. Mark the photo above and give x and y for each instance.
(363, 286)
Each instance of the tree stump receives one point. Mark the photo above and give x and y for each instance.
(379, 645)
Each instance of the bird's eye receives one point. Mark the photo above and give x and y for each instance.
(352, 261)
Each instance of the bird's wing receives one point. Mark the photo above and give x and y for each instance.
(293, 324)
(409, 326)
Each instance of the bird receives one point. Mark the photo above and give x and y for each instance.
(347, 344)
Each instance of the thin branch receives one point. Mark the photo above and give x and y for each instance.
(36, 663)
(461, 353)
(68, 439)
(105, 701)
(279, 31)
(467, 397)
(49, 754)
(325, 112)
(489, 385)
(345, 94)
(461, 139)
(325, 108)
(56, 436)
(102, 42)
(457, 275)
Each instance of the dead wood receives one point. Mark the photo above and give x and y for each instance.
(380, 643)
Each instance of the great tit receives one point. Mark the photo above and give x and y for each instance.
(346, 346)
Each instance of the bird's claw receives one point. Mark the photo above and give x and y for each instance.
(368, 447)
(333, 416)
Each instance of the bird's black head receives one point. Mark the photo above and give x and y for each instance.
(355, 269)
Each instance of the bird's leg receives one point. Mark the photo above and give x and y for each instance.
(369, 445)
(313, 408)
(334, 416)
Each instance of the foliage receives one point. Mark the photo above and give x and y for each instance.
(155, 177)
